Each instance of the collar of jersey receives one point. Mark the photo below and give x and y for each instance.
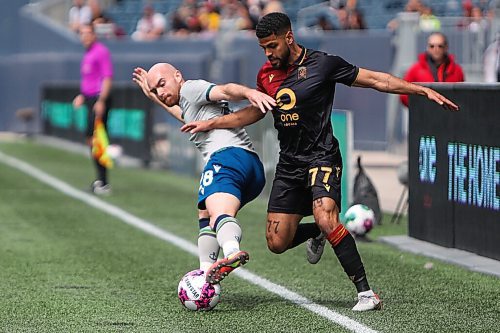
(301, 57)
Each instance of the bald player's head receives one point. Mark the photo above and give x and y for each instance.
(165, 81)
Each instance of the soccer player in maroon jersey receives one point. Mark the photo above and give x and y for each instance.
(308, 173)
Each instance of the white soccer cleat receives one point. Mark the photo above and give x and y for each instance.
(367, 301)
(315, 248)
(100, 189)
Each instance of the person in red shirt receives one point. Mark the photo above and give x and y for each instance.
(434, 65)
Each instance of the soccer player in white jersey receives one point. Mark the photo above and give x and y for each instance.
(233, 174)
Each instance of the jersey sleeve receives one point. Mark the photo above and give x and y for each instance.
(197, 91)
(106, 64)
(260, 86)
(339, 70)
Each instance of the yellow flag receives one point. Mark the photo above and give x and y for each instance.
(100, 145)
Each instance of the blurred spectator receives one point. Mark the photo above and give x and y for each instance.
(466, 14)
(105, 28)
(467, 8)
(209, 17)
(255, 8)
(234, 16)
(477, 21)
(492, 61)
(150, 26)
(351, 4)
(412, 6)
(356, 20)
(343, 17)
(246, 21)
(434, 65)
(193, 23)
(178, 26)
(186, 19)
(323, 24)
(95, 9)
(428, 21)
(273, 6)
(473, 17)
(79, 14)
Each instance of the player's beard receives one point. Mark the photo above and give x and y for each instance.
(282, 61)
(170, 101)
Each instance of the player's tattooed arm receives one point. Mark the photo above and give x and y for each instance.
(386, 82)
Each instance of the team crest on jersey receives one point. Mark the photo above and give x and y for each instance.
(302, 72)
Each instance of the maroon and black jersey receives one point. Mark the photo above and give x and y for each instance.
(304, 92)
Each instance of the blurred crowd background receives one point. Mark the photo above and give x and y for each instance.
(214, 39)
(152, 19)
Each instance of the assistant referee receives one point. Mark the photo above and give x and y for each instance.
(96, 71)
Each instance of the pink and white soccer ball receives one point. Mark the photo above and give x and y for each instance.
(197, 294)
(359, 220)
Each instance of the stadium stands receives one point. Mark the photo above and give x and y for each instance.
(377, 12)
(233, 57)
(126, 13)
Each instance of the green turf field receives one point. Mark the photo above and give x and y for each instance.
(67, 267)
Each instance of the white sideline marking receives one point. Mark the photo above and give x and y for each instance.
(189, 247)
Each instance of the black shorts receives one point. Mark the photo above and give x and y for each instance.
(295, 188)
(89, 104)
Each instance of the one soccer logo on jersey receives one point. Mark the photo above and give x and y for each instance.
(302, 72)
(286, 100)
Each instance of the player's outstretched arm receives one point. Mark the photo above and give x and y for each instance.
(139, 77)
(236, 92)
(241, 118)
(386, 82)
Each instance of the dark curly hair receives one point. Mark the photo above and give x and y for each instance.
(273, 23)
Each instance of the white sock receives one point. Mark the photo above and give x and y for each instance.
(208, 248)
(228, 235)
(367, 293)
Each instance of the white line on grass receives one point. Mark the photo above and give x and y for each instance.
(151, 229)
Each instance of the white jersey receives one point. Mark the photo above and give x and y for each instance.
(80, 15)
(196, 105)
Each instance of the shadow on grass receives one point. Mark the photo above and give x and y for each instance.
(243, 301)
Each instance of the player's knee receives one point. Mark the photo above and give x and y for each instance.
(276, 245)
(276, 248)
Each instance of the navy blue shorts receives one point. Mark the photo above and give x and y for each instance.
(235, 171)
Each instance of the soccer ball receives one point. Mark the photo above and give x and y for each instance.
(197, 294)
(359, 220)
